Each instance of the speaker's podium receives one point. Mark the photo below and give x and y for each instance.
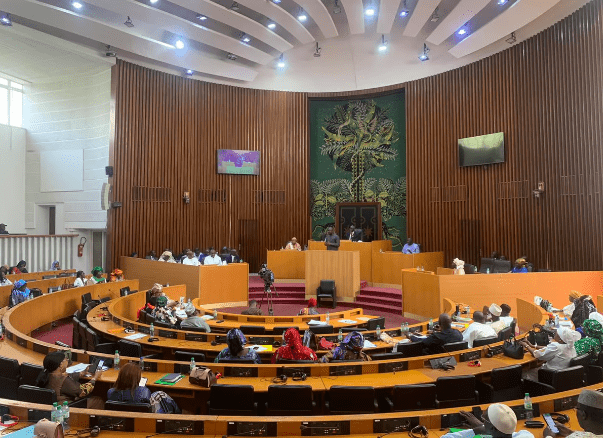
(341, 266)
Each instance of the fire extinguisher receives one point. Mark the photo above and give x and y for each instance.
(80, 247)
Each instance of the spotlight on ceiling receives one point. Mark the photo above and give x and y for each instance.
(383, 45)
(179, 44)
(189, 72)
(512, 38)
(271, 25)
(245, 38)
(281, 61)
(153, 1)
(435, 17)
(129, 22)
(462, 31)
(276, 1)
(369, 11)
(77, 5)
(5, 19)
(301, 16)
(336, 7)
(201, 17)
(423, 56)
(109, 53)
(232, 56)
(317, 51)
(234, 6)
(404, 12)
(502, 2)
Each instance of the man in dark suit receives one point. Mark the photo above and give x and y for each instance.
(354, 235)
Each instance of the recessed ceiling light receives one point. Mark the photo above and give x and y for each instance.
(281, 62)
(245, 38)
(276, 1)
(369, 12)
(201, 17)
(129, 22)
(153, 1)
(5, 19)
(403, 13)
(271, 25)
(423, 56)
(502, 2)
(462, 32)
(301, 16)
(189, 72)
(180, 44)
(383, 45)
(77, 4)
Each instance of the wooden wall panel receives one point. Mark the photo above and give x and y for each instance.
(545, 93)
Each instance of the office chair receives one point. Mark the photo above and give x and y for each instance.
(371, 324)
(252, 329)
(185, 356)
(127, 407)
(346, 400)
(505, 384)
(455, 346)
(10, 378)
(290, 400)
(485, 341)
(412, 398)
(410, 349)
(456, 391)
(232, 400)
(326, 291)
(563, 380)
(29, 373)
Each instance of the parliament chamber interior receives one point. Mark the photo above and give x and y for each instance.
(301, 218)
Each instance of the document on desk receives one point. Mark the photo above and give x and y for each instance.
(315, 322)
(347, 321)
(363, 318)
(135, 336)
(78, 368)
(369, 344)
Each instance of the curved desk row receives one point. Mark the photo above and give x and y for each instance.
(35, 276)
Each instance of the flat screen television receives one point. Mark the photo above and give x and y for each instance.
(237, 162)
(485, 149)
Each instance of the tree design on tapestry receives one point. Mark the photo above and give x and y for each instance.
(358, 137)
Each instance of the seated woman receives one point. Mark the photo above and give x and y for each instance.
(236, 348)
(166, 256)
(593, 342)
(584, 306)
(311, 309)
(80, 279)
(558, 354)
(19, 293)
(97, 277)
(67, 386)
(163, 313)
(116, 275)
(349, 349)
(56, 266)
(294, 349)
(126, 389)
(21, 268)
(3, 280)
(569, 309)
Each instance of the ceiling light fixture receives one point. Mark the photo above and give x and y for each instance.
(383, 45)
(336, 7)
(5, 19)
(234, 6)
(435, 17)
(153, 1)
(369, 11)
(502, 2)
(276, 1)
(232, 56)
(189, 72)
(463, 30)
(512, 38)
(423, 56)
(201, 17)
(301, 16)
(77, 5)
(317, 51)
(404, 12)
(271, 25)
(179, 44)
(109, 53)
(281, 61)
(129, 22)
(245, 38)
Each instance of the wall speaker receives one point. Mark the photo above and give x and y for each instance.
(105, 205)
(109, 171)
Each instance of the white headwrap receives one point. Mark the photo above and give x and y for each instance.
(495, 309)
(502, 418)
(568, 336)
(596, 316)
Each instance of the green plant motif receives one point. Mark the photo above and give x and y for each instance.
(358, 137)
(391, 194)
(325, 195)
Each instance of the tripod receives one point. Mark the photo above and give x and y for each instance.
(268, 288)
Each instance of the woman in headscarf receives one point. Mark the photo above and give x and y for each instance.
(80, 279)
(294, 349)
(67, 386)
(349, 349)
(236, 348)
(19, 293)
(593, 342)
(311, 309)
(21, 268)
(163, 313)
(3, 280)
(166, 256)
(56, 266)
(97, 277)
(558, 354)
(569, 309)
(584, 307)
(116, 275)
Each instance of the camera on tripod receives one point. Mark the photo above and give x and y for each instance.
(267, 275)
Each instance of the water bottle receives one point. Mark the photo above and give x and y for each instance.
(556, 321)
(487, 270)
(1, 331)
(328, 318)
(152, 331)
(116, 360)
(189, 301)
(378, 332)
(66, 416)
(401, 329)
(53, 412)
(192, 364)
(527, 405)
(181, 301)
(215, 314)
(141, 363)
(406, 328)
(430, 325)
(59, 415)
(340, 335)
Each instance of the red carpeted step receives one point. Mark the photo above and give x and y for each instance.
(384, 295)
(379, 300)
(289, 294)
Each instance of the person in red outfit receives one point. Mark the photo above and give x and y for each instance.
(293, 350)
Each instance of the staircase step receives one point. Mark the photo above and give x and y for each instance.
(379, 300)
(296, 295)
(382, 290)
(388, 295)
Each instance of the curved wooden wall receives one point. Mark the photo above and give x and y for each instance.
(544, 93)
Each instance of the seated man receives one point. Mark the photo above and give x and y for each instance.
(225, 255)
(235, 256)
(478, 329)
(212, 259)
(252, 309)
(496, 323)
(410, 247)
(445, 334)
(163, 312)
(590, 416)
(505, 314)
(190, 259)
(3, 229)
(293, 245)
(521, 266)
(353, 234)
(193, 319)
(499, 421)
(152, 255)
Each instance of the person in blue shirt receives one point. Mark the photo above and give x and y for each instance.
(521, 266)
(410, 247)
(19, 293)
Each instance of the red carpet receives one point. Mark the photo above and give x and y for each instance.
(62, 333)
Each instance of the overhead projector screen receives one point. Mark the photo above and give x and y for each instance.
(62, 171)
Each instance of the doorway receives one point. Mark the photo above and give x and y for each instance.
(249, 246)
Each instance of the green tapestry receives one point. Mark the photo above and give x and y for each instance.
(358, 154)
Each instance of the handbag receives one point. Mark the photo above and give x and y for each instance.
(540, 338)
(202, 376)
(513, 349)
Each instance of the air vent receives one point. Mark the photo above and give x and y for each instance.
(151, 194)
(205, 196)
(269, 197)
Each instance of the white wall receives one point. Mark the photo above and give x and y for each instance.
(69, 114)
(12, 178)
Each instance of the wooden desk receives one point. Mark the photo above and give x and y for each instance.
(287, 264)
(387, 265)
(37, 275)
(600, 303)
(43, 285)
(210, 284)
(341, 266)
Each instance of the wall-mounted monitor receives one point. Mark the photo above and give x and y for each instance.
(236, 162)
(485, 149)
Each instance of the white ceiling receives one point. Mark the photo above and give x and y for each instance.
(51, 38)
